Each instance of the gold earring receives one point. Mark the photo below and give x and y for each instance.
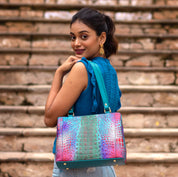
(101, 50)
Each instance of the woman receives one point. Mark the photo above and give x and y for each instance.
(91, 39)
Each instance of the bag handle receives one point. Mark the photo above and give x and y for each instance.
(101, 85)
(102, 88)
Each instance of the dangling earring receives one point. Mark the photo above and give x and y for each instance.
(101, 50)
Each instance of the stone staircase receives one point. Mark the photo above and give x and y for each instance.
(34, 42)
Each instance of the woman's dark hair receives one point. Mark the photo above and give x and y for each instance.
(100, 23)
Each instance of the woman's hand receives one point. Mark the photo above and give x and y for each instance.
(68, 64)
(63, 96)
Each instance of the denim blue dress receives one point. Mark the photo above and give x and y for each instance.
(90, 102)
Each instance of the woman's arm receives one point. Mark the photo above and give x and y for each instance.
(62, 97)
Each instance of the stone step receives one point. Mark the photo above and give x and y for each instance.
(41, 139)
(41, 169)
(124, 88)
(146, 95)
(44, 169)
(66, 35)
(64, 21)
(131, 157)
(144, 117)
(124, 58)
(139, 42)
(44, 26)
(114, 8)
(44, 143)
(26, 164)
(58, 41)
(25, 157)
(59, 51)
(129, 132)
(53, 68)
(55, 43)
(42, 75)
(40, 109)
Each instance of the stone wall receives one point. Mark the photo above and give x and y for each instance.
(34, 42)
(155, 34)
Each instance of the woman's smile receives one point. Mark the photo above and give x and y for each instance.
(79, 51)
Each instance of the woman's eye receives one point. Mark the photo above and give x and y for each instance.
(72, 38)
(84, 36)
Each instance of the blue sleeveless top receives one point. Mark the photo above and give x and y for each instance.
(90, 102)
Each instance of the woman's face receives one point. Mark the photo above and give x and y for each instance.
(84, 40)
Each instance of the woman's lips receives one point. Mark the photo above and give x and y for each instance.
(79, 51)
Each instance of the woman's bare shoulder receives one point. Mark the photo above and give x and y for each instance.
(79, 69)
(79, 66)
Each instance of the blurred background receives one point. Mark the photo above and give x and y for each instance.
(34, 41)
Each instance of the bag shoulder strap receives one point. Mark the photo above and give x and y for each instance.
(101, 85)
(102, 88)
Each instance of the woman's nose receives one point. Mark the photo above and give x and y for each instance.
(77, 42)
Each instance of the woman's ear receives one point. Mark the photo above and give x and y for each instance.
(102, 38)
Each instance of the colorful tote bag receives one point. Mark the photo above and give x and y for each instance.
(93, 140)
